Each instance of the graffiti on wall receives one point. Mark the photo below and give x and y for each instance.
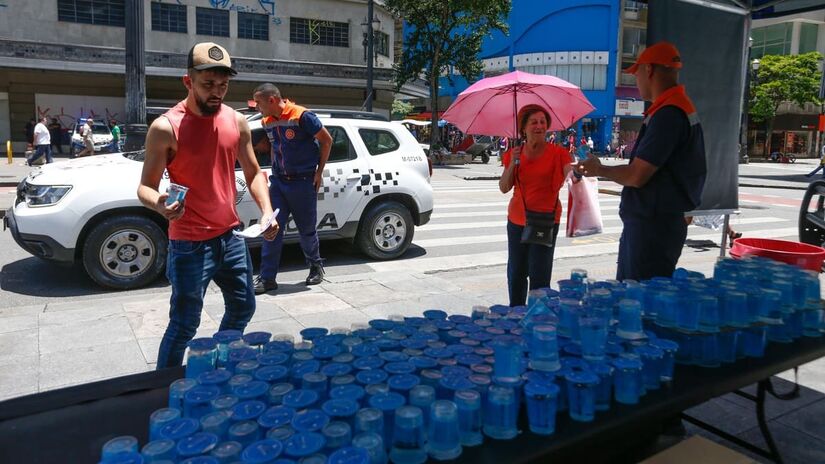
(267, 7)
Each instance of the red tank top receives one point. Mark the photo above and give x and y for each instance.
(204, 162)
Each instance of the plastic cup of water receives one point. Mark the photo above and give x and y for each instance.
(176, 192)
(542, 403)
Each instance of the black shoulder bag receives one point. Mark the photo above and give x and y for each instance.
(539, 227)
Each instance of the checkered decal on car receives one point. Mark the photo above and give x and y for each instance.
(335, 183)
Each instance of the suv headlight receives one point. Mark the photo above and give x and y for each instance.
(44, 195)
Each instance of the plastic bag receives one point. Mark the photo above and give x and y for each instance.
(713, 222)
(583, 214)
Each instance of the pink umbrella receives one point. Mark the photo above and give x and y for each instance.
(490, 106)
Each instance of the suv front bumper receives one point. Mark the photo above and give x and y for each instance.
(41, 246)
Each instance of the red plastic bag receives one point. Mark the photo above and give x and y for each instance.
(583, 214)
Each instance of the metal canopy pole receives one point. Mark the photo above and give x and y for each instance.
(135, 76)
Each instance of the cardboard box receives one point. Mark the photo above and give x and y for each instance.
(697, 449)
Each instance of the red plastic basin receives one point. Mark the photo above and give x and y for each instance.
(799, 254)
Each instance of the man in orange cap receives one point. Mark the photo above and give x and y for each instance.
(666, 173)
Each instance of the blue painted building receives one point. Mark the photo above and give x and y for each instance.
(576, 40)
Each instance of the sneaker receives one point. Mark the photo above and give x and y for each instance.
(264, 285)
(316, 274)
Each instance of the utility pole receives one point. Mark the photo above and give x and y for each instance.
(370, 58)
(135, 76)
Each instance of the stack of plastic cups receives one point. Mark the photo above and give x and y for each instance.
(227, 451)
(373, 444)
(202, 357)
(159, 418)
(568, 327)
(469, 404)
(388, 403)
(581, 395)
(651, 357)
(480, 312)
(198, 401)
(544, 349)
(444, 436)
(196, 444)
(542, 401)
(408, 440)
(669, 348)
(257, 340)
(303, 444)
(118, 445)
(667, 306)
(579, 275)
(782, 333)
(626, 378)
(629, 325)
(707, 341)
(337, 434)
(422, 396)
(604, 389)
(593, 333)
(343, 410)
(159, 451)
(224, 338)
(500, 413)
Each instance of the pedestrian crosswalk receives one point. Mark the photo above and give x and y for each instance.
(468, 228)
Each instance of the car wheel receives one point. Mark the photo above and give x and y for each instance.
(385, 231)
(485, 157)
(124, 252)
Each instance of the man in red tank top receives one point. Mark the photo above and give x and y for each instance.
(197, 142)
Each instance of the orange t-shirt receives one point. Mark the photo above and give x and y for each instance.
(541, 177)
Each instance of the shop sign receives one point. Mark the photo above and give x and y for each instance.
(629, 107)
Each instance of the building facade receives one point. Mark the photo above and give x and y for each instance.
(65, 58)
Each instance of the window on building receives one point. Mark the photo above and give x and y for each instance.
(211, 21)
(98, 12)
(253, 26)
(633, 41)
(382, 43)
(379, 142)
(808, 33)
(318, 32)
(771, 40)
(169, 17)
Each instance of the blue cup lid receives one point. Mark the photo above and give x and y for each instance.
(251, 389)
(156, 447)
(648, 351)
(281, 434)
(480, 379)
(325, 351)
(195, 444)
(314, 377)
(541, 389)
(665, 344)
(601, 368)
(365, 349)
(271, 374)
(456, 334)
(371, 376)
(431, 374)
(447, 362)
(340, 407)
(425, 336)
(367, 334)
(334, 369)
(227, 450)
(387, 401)
(243, 429)
(501, 310)
(469, 328)
(273, 359)
(383, 325)
(281, 389)
(249, 365)
(203, 344)
(226, 336)
(368, 362)
(403, 382)
(304, 444)
(495, 331)
(312, 333)
(539, 377)
(304, 367)
(469, 359)
(179, 428)
(460, 319)
(582, 377)
(248, 410)
(482, 369)
(444, 325)
(349, 455)
(216, 377)
(164, 414)
(393, 356)
(438, 353)
(300, 399)
(202, 394)
(483, 351)
(310, 420)
(279, 346)
(376, 388)
(276, 416)
(423, 362)
(336, 430)
(353, 392)
(126, 457)
(435, 314)
(243, 354)
(456, 383)
(214, 419)
(456, 371)
(386, 344)
(627, 363)
(399, 367)
(339, 380)
(467, 399)
(224, 401)
(459, 349)
(481, 336)
(200, 460)
(257, 338)
(345, 358)
(574, 363)
(331, 339)
(415, 321)
(505, 324)
(414, 343)
(262, 451)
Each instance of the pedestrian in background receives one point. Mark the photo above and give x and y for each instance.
(42, 142)
(56, 134)
(115, 133)
(821, 164)
(535, 171)
(86, 134)
(666, 173)
(198, 143)
(300, 149)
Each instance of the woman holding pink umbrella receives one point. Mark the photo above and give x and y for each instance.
(535, 171)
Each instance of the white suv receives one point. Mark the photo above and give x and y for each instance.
(376, 189)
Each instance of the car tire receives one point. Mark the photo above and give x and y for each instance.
(385, 231)
(125, 252)
(485, 158)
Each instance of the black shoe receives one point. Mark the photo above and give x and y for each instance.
(316, 274)
(264, 285)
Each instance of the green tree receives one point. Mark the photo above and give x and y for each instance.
(401, 108)
(783, 78)
(444, 34)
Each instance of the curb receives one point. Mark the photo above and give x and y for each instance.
(786, 187)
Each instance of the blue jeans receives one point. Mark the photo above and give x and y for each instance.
(650, 247)
(42, 150)
(527, 261)
(299, 198)
(189, 267)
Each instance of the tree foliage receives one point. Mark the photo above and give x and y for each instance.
(401, 108)
(784, 78)
(444, 34)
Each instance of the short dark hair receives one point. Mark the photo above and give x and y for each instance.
(268, 90)
(529, 110)
(222, 71)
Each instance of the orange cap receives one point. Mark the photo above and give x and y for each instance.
(663, 53)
